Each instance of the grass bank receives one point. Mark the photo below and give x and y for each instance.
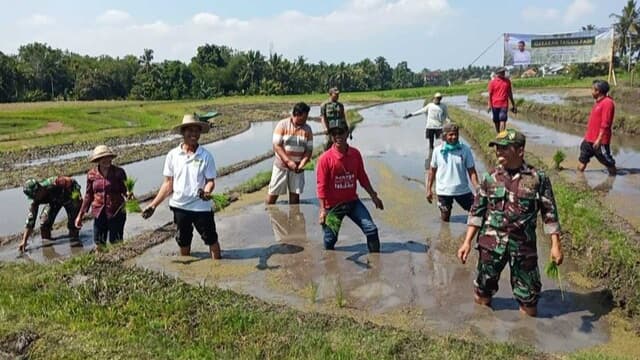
(90, 309)
(606, 254)
(626, 120)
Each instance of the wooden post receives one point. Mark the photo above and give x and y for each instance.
(612, 74)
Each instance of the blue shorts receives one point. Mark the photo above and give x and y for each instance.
(499, 114)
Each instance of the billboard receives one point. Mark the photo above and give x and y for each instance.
(592, 46)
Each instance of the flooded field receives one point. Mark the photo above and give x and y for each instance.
(275, 253)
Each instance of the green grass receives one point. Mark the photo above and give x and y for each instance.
(604, 252)
(95, 122)
(254, 184)
(118, 312)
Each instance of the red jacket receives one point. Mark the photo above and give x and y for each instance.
(499, 92)
(601, 117)
(336, 175)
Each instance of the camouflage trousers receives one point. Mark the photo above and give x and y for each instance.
(525, 275)
(50, 212)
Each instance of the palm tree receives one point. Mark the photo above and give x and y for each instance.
(628, 23)
(588, 27)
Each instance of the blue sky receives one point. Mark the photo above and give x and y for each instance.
(436, 34)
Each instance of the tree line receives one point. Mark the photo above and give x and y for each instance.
(39, 72)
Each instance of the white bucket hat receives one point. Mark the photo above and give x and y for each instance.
(101, 151)
(192, 119)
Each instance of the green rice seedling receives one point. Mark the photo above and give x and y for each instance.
(75, 195)
(131, 205)
(333, 222)
(553, 272)
(220, 201)
(558, 158)
(340, 298)
(310, 166)
(313, 292)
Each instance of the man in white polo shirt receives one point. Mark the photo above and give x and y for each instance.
(189, 176)
(451, 162)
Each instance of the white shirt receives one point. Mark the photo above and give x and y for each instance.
(436, 115)
(452, 170)
(190, 173)
(521, 57)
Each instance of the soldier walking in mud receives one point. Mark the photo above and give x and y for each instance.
(437, 115)
(55, 193)
(337, 172)
(500, 92)
(293, 145)
(330, 110)
(597, 139)
(504, 215)
(189, 178)
(451, 162)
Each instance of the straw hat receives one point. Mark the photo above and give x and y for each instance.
(192, 119)
(101, 151)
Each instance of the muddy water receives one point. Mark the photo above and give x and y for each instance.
(275, 253)
(621, 193)
(244, 146)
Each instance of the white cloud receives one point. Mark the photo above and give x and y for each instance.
(577, 10)
(39, 20)
(114, 17)
(341, 34)
(532, 13)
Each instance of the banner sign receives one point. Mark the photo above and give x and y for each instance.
(592, 46)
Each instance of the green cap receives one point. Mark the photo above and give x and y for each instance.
(338, 124)
(30, 187)
(509, 137)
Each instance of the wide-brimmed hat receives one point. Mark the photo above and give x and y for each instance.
(192, 119)
(101, 151)
(437, 95)
(509, 137)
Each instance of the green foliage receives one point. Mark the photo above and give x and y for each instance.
(132, 206)
(552, 270)
(558, 158)
(130, 183)
(254, 184)
(76, 195)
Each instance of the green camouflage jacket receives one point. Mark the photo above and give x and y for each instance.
(506, 208)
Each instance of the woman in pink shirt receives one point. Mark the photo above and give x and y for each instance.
(338, 170)
(106, 194)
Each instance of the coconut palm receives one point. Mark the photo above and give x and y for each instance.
(626, 27)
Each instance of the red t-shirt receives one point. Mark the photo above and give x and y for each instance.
(336, 176)
(601, 117)
(499, 91)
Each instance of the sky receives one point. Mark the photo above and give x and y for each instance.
(433, 34)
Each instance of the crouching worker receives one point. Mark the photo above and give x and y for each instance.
(54, 193)
(338, 169)
(504, 214)
(189, 178)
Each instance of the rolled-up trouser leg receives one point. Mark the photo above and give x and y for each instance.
(361, 216)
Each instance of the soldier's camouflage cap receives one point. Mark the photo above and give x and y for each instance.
(509, 137)
(30, 187)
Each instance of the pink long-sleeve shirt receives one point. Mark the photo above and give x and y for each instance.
(336, 175)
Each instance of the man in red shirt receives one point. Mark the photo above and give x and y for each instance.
(597, 139)
(338, 169)
(500, 92)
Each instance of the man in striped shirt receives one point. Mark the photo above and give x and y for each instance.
(293, 145)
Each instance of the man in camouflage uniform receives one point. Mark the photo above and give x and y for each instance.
(55, 192)
(504, 214)
(332, 110)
